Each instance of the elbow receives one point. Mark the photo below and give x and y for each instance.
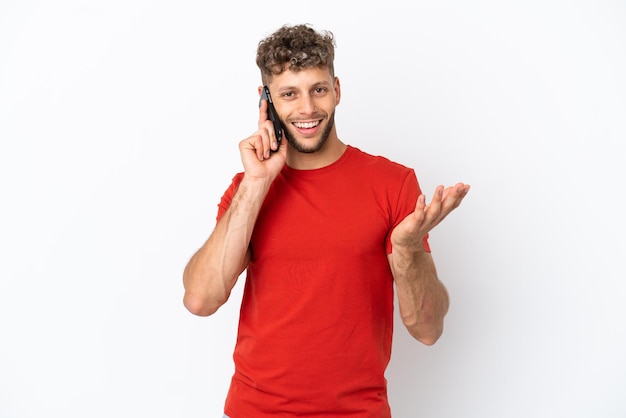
(428, 340)
(426, 324)
(426, 333)
(203, 295)
(200, 306)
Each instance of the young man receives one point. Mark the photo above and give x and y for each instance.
(323, 231)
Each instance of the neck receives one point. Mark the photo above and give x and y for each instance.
(332, 150)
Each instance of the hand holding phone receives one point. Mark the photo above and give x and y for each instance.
(271, 114)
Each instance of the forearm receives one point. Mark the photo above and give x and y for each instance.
(422, 297)
(213, 270)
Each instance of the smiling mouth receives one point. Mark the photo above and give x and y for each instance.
(306, 125)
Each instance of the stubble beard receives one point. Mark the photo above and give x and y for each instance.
(300, 147)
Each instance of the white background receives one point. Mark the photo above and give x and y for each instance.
(119, 124)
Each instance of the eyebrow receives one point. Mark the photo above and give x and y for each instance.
(323, 83)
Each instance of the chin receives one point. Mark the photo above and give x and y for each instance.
(310, 148)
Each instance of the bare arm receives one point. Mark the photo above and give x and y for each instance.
(422, 297)
(212, 271)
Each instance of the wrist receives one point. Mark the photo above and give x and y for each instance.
(255, 184)
(412, 253)
(252, 190)
(412, 247)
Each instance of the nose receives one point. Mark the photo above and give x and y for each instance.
(307, 105)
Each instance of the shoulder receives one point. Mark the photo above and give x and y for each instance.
(378, 164)
(232, 188)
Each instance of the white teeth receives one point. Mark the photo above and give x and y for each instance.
(306, 125)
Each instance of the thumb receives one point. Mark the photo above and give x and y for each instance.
(282, 147)
(421, 203)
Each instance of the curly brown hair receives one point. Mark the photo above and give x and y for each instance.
(295, 48)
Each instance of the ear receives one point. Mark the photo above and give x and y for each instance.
(260, 90)
(337, 88)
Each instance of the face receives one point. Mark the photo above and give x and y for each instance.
(305, 102)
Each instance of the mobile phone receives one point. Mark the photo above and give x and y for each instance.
(271, 114)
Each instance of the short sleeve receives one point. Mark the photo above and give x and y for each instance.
(227, 197)
(405, 205)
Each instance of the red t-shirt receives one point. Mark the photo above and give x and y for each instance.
(316, 319)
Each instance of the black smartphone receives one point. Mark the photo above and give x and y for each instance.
(271, 114)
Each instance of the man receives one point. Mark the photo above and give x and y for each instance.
(323, 231)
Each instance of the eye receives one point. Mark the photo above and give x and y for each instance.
(320, 90)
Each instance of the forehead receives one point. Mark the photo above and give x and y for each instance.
(302, 79)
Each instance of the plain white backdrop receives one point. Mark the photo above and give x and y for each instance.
(119, 124)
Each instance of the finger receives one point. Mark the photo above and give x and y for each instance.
(282, 150)
(266, 127)
(268, 137)
(248, 145)
(452, 197)
(256, 144)
(262, 113)
(434, 207)
(461, 192)
(420, 205)
(438, 196)
(457, 194)
(266, 110)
